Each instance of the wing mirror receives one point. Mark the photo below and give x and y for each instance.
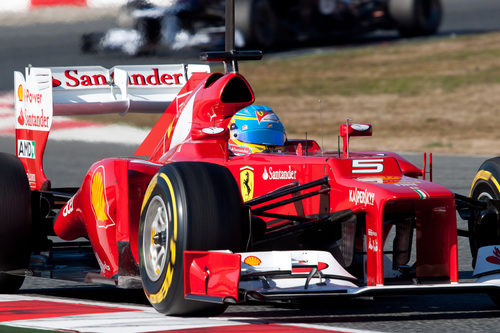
(347, 130)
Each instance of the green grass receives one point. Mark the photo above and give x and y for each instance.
(401, 68)
(12, 329)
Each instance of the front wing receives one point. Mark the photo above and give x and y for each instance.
(234, 278)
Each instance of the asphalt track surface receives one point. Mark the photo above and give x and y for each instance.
(67, 162)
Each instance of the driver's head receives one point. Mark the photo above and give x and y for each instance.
(254, 129)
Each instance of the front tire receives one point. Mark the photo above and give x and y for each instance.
(187, 206)
(485, 187)
(416, 17)
(15, 222)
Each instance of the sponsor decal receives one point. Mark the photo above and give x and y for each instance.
(102, 264)
(40, 121)
(20, 119)
(73, 78)
(495, 258)
(20, 92)
(30, 119)
(361, 197)
(408, 183)
(372, 243)
(31, 179)
(252, 261)
(34, 101)
(99, 201)
(381, 179)
(247, 182)
(261, 114)
(26, 149)
(55, 83)
(68, 209)
(298, 269)
(423, 195)
(239, 149)
(279, 174)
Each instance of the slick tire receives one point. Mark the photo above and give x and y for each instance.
(485, 187)
(187, 206)
(256, 20)
(416, 17)
(15, 222)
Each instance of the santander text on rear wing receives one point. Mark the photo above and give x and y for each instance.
(78, 90)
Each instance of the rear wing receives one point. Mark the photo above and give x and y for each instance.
(46, 92)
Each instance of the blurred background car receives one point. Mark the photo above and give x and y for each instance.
(145, 27)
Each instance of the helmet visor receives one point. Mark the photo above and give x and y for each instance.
(268, 137)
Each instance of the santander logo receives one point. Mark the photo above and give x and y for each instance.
(55, 82)
(20, 119)
(495, 258)
(78, 78)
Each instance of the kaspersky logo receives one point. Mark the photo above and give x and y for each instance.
(26, 149)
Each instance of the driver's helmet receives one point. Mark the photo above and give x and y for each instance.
(254, 129)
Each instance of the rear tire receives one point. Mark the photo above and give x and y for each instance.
(187, 206)
(15, 222)
(416, 17)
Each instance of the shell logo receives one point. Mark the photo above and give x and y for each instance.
(98, 199)
(252, 261)
(20, 92)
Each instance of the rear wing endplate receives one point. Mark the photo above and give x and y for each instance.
(47, 92)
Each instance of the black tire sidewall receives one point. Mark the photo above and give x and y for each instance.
(479, 187)
(15, 221)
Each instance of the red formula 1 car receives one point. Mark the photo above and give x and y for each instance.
(198, 227)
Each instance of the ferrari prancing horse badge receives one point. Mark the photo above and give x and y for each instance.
(246, 183)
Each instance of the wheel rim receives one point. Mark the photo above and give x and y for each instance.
(155, 237)
(484, 196)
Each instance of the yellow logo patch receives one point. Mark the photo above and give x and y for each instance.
(246, 183)
(252, 261)
(99, 200)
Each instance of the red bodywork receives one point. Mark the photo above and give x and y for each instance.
(107, 207)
